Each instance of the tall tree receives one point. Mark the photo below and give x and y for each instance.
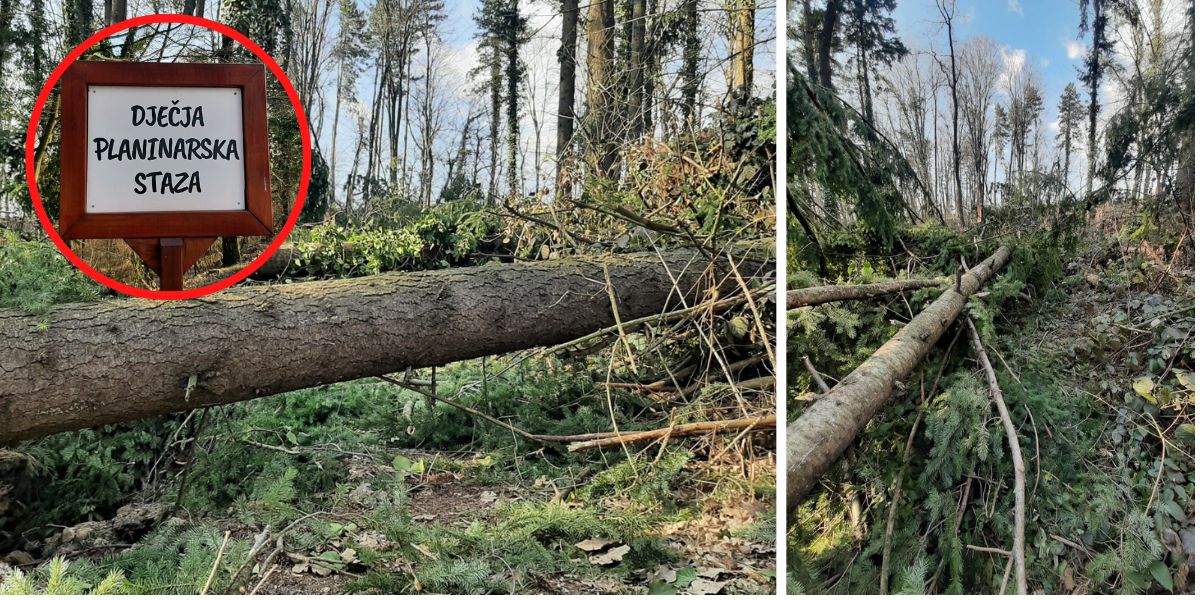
(689, 73)
(78, 15)
(636, 68)
(601, 87)
(566, 95)
(870, 30)
(949, 10)
(981, 69)
(825, 41)
(1070, 115)
(742, 16)
(502, 24)
(349, 52)
(1093, 71)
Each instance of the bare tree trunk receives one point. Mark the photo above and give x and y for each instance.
(84, 365)
(948, 19)
(566, 97)
(825, 42)
(512, 67)
(742, 81)
(689, 75)
(829, 426)
(337, 114)
(637, 69)
(115, 11)
(600, 25)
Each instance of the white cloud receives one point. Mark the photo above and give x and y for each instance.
(1075, 50)
(1014, 58)
(1015, 7)
(1044, 62)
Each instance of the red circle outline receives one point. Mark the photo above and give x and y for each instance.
(44, 96)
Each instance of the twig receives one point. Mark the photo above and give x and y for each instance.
(688, 429)
(616, 311)
(1014, 447)
(816, 375)
(989, 550)
(260, 542)
(216, 564)
(493, 420)
(291, 451)
(1064, 541)
(1162, 460)
(734, 367)
(265, 576)
(897, 492)
(677, 315)
(762, 331)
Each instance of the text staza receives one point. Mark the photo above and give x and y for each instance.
(159, 182)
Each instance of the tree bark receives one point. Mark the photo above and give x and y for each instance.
(825, 42)
(833, 293)
(742, 81)
(689, 74)
(600, 96)
(566, 95)
(829, 426)
(84, 365)
(637, 70)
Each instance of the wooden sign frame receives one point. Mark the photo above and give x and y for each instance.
(169, 242)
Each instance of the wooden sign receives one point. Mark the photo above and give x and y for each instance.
(166, 156)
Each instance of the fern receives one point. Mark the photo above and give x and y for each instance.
(55, 578)
(912, 579)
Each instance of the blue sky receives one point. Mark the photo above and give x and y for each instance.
(1045, 29)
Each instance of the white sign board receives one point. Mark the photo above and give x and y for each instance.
(164, 149)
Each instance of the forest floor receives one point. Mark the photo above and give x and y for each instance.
(1094, 352)
(376, 491)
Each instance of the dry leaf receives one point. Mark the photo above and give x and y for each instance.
(664, 573)
(594, 544)
(612, 557)
(704, 587)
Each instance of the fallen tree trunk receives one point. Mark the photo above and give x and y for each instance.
(83, 365)
(829, 426)
(822, 294)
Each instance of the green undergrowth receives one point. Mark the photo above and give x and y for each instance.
(1093, 350)
(35, 276)
(447, 235)
(350, 456)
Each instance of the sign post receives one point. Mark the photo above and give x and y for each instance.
(168, 157)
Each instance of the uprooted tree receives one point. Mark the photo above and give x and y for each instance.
(84, 365)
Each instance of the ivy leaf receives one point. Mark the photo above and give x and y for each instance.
(401, 464)
(1187, 380)
(1175, 510)
(661, 588)
(685, 577)
(1143, 386)
(1162, 575)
